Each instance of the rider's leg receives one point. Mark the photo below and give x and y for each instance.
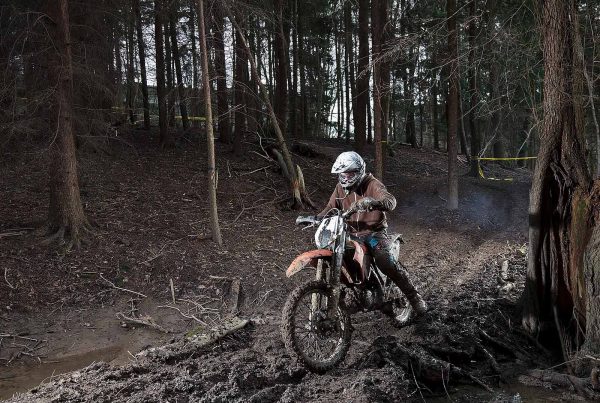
(381, 247)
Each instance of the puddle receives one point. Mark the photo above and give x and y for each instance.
(21, 378)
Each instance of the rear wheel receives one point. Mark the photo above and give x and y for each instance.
(317, 340)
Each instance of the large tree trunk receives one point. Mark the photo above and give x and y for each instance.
(591, 272)
(362, 81)
(166, 140)
(178, 74)
(210, 139)
(452, 105)
(281, 68)
(142, 54)
(66, 219)
(559, 207)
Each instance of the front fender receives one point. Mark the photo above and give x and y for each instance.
(307, 259)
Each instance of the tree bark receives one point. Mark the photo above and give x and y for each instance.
(66, 219)
(559, 210)
(166, 139)
(178, 74)
(210, 139)
(452, 105)
(142, 54)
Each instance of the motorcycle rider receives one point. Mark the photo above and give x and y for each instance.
(357, 189)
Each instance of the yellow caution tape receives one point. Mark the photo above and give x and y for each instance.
(499, 159)
(505, 158)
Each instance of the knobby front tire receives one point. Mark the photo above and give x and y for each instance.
(319, 344)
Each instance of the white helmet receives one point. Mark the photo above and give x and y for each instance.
(350, 168)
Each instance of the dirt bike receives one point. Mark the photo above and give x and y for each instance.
(316, 325)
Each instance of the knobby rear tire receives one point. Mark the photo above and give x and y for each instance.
(288, 329)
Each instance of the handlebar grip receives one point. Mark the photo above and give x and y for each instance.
(306, 220)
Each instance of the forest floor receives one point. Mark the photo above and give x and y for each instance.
(150, 260)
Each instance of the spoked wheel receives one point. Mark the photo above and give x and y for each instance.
(317, 340)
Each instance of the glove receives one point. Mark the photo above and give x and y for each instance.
(366, 203)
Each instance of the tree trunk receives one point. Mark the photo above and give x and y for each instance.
(169, 71)
(434, 107)
(210, 139)
(294, 90)
(281, 68)
(221, 72)
(559, 207)
(303, 103)
(362, 81)
(142, 54)
(452, 105)
(195, 99)
(130, 70)
(166, 139)
(66, 219)
(175, 50)
(475, 140)
(240, 85)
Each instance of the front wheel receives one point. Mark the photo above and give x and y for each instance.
(318, 341)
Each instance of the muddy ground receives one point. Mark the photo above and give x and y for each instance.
(66, 310)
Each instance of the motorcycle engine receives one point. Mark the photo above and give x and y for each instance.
(355, 300)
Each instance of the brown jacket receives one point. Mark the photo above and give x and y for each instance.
(365, 222)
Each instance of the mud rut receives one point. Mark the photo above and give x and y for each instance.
(468, 340)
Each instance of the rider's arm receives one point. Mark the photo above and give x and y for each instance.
(384, 200)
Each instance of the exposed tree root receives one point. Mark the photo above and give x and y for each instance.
(583, 386)
(68, 236)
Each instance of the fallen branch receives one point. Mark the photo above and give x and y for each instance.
(187, 316)
(121, 288)
(580, 385)
(190, 345)
(143, 321)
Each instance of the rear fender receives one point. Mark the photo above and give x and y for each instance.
(307, 259)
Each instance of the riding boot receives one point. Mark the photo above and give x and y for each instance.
(399, 275)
